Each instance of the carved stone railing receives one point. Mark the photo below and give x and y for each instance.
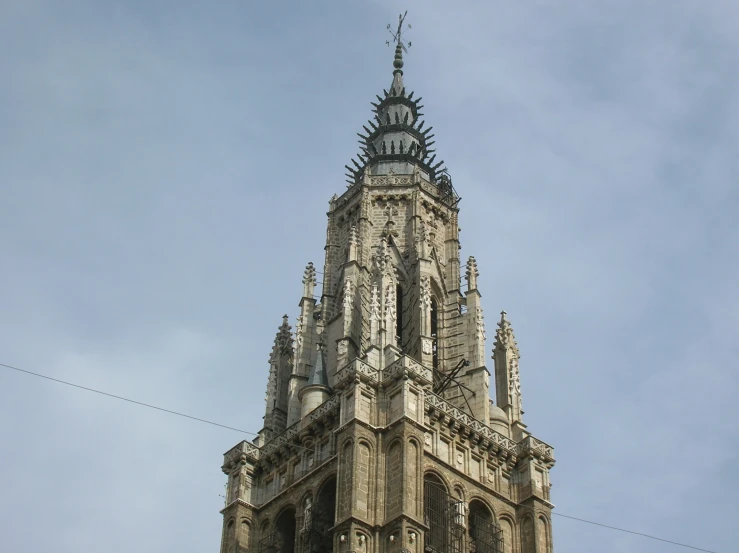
(243, 450)
(391, 180)
(403, 365)
(407, 365)
(531, 446)
(291, 434)
(278, 441)
(434, 402)
(434, 189)
(326, 408)
(356, 367)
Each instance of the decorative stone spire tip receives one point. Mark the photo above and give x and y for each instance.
(504, 338)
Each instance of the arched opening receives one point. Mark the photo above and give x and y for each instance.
(440, 513)
(543, 539)
(399, 314)
(229, 537)
(320, 518)
(485, 535)
(282, 539)
(435, 332)
(245, 534)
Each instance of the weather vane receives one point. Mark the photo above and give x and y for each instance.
(397, 35)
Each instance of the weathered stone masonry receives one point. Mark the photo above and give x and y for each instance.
(379, 432)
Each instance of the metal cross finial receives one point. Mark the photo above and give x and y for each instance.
(397, 38)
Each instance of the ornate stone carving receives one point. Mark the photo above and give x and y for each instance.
(474, 427)
(426, 292)
(284, 340)
(504, 338)
(426, 346)
(472, 273)
(309, 281)
(242, 451)
(515, 383)
(422, 240)
(342, 347)
(271, 393)
(390, 313)
(480, 325)
(374, 304)
(348, 296)
(307, 514)
(382, 259)
(390, 180)
(299, 331)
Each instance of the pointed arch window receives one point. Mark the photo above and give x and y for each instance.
(485, 534)
(439, 512)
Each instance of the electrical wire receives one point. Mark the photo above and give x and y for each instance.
(307, 449)
(632, 532)
(128, 400)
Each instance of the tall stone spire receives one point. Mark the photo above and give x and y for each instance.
(385, 400)
(507, 377)
(280, 368)
(396, 140)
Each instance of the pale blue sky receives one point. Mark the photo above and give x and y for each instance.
(165, 169)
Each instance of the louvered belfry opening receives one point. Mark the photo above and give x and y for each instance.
(442, 517)
(485, 535)
(321, 518)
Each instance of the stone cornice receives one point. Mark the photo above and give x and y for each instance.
(327, 410)
(237, 502)
(241, 453)
(475, 430)
(534, 447)
(391, 181)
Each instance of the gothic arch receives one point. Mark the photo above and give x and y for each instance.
(418, 442)
(287, 506)
(459, 487)
(308, 494)
(478, 499)
(245, 531)
(285, 528)
(508, 529)
(527, 531)
(544, 534)
(483, 530)
(322, 482)
(391, 443)
(437, 478)
(394, 479)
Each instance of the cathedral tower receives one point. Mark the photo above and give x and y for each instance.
(379, 432)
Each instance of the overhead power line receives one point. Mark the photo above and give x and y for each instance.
(632, 532)
(128, 400)
(302, 447)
